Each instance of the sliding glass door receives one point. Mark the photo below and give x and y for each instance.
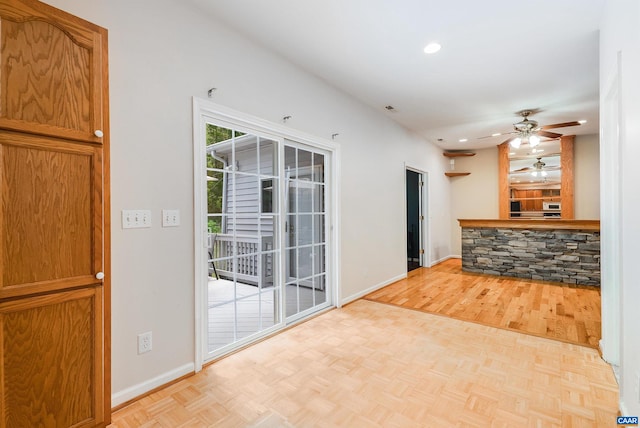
(266, 234)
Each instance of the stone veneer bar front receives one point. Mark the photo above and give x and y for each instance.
(565, 251)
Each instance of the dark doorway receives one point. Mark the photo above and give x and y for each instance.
(413, 220)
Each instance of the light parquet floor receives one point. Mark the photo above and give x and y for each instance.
(559, 312)
(377, 365)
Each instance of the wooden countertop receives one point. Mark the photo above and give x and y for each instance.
(546, 224)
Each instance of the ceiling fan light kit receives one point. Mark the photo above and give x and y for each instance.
(529, 132)
(531, 139)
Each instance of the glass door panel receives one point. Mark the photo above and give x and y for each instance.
(305, 230)
(243, 293)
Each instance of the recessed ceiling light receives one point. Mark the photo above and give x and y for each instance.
(497, 134)
(432, 48)
(581, 122)
(463, 140)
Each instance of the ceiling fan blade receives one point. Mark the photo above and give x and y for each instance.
(491, 136)
(549, 134)
(561, 125)
(530, 168)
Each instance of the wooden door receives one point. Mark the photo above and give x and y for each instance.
(54, 223)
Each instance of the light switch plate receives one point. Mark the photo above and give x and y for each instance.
(135, 219)
(170, 218)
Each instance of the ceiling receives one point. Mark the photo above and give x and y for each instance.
(498, 57)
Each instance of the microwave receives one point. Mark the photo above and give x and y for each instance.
(551, 205)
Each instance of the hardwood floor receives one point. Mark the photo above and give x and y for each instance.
(378, 365)
(559, 312)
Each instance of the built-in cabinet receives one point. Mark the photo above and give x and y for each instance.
(54, 222)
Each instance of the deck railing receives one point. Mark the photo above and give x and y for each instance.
(251, 265)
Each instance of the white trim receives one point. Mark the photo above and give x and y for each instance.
(142, 388)
(452, 256)
(426, 209)
(611, 140)
(260, 125)
(623, 410)
(334, 229)
(372, 289)
(378, 286)
(199, 196)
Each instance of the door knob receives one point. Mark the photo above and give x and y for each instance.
(98, 133)
(100, 275)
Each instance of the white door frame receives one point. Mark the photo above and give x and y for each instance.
(425, 224)
(204, 109)
(611, 139)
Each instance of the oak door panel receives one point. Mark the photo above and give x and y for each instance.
(51, 214)
(51, 360)
(50, 76)
(54, 218)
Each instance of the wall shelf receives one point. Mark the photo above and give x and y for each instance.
(457, 154)
(456, 174)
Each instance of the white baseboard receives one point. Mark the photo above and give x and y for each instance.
(144, 387)
(623, 410)
(387, 282)
(452, 256)
(372, 289)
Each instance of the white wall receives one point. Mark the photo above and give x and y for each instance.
(586, 177)
(161, 54)
(620, 34)
(475, 195)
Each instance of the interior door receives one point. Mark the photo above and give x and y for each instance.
(54, 228)
(414, 220)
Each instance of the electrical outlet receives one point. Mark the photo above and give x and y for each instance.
(170, 218)
(145, 343)
(134, 219)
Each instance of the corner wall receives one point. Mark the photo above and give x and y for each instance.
(619, 36)
(586, 176)
(163, 52)
(474, 196)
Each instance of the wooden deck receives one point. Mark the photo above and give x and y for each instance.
(539, 308)
(252, 311)
(378, 365)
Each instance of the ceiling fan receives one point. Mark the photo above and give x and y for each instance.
(529, 132)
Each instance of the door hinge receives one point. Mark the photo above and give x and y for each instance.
(421, 183)
(421, 217)
(421, 251)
